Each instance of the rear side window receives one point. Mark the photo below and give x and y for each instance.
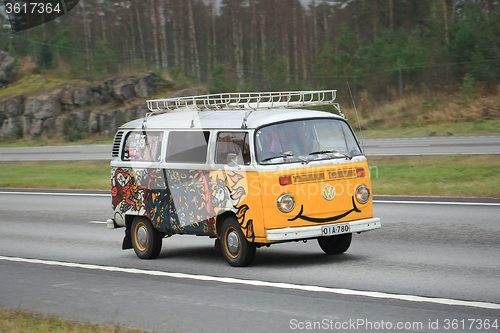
(232, 146)
(187, 146)
(142, 146)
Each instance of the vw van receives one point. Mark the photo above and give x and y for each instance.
(247, 169)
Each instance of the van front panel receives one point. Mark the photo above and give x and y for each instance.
(322, 194)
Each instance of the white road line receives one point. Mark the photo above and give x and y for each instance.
(439, 203)
(98, 222)
(427, 154)
(55, 193)
(257, 283)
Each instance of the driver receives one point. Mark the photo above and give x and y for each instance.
(303, 143)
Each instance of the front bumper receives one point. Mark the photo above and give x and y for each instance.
(285, 234)
(112, 224)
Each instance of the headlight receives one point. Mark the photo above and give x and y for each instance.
(286, 203)
(362, 194)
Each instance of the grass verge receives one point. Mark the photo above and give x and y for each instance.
(452, 175)
(23, 322)
(425, 114)
(25, 142)
(59, 175)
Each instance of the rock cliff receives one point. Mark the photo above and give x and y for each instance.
(64, 110)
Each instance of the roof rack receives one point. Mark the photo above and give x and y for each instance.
(252, 100)
(244, 101)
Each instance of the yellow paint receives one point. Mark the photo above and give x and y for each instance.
(309, 196)
(262, 190)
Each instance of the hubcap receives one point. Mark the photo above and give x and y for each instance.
(233, 242)
(142, 236)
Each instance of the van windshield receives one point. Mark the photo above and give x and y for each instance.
(305, 141)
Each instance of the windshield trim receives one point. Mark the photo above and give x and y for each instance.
(303, 119)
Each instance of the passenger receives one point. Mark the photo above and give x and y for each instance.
(268, 146)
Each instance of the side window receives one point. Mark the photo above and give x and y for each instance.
(187, 146)
(142, 146)
(232, 146)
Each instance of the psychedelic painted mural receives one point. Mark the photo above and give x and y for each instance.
(180, 201)
(127, 196)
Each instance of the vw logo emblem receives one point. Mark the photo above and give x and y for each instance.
(329, 192)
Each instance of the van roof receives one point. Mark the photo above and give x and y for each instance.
(225, 119)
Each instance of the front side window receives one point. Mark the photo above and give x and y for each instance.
(142, 146)
(187, 146)
(232, 146)
(304, 141)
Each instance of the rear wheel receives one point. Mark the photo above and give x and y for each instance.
(335, 244)
(146, 240)
(236, 249)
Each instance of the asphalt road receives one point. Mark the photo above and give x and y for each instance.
(372, 147)
(432, 265)
(56, 153)
(433, 145)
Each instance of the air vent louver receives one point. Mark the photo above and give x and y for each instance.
(116, 144)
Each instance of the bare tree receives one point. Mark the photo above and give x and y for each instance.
(263, 40)
(315, 29)
(154, 21)
(391, 14)
(87, 37)
(295, 42)
(304, 45)
(253, 33)
(163, 37)
(192, 37)
(102, 13)
(445, 19)
(375, 18)
(214, 33)
(141, 36)
(238, 50)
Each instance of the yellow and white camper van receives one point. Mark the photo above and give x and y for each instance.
(248, 169)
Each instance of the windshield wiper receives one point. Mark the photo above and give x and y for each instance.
(330, 151)
(277, 156)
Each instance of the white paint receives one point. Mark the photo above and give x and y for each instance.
(257, 283)
(427, 154)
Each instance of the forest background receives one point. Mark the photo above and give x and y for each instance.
(409, 63)
(382, 47)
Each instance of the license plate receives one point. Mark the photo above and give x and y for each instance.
(335, 229)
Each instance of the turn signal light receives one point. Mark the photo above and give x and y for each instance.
(360, 172)
(285, 180)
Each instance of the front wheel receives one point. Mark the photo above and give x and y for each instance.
(146, 240)
(335, 244)
(236, 249)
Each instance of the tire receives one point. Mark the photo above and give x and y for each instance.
(146, 240)
(237, 251)
(335, 244)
